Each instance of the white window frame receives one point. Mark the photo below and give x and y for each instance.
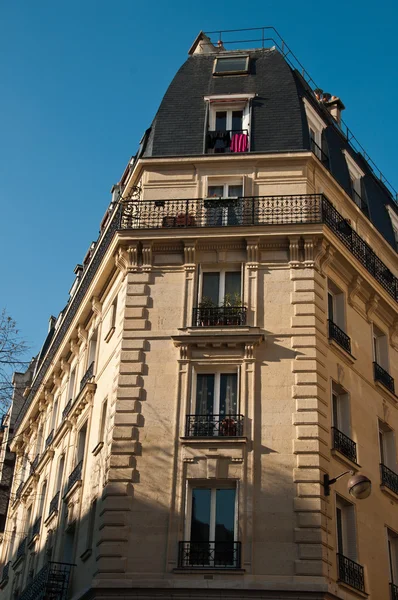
(222, 272)
(356, 175)
(349, 528)
(217, 371)
(234, 72)
(380, 347)
(229, 103)
(339, 305)
(316, 123)
(213, 486)
(387, 446)
(72, 382)
(343, 408)
(392, 551)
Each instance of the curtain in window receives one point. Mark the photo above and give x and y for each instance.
(204, 394)
(228, 394)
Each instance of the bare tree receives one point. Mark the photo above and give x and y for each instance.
(12, 352)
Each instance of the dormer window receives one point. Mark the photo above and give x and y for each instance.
(231, 65)
(356, 175)
(316, 125)
(228, 124)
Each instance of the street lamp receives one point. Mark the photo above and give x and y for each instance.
(358, 485)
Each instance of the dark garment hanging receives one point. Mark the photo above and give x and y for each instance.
(218, 140)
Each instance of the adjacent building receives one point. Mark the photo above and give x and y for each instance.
(230, 339)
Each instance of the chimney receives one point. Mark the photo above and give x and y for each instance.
(51, 323)
(335, 107)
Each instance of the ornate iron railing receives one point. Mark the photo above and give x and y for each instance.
(214, 425)
(51, 583)
(319, 153)
(49, 439)
(213, 555)
(67, 408)
(351, 572)
(76, 475)
(19, 490)
(54, 504)
(36, 528)
(344, 444)
(21, 549)
(339, 336)
(389, 478)
(34, 463)
(220, 316)
(221, 142)
(6, 571)
(385, 378)
(394, 591)
(89, 374)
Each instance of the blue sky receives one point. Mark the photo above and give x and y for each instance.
(82, 80)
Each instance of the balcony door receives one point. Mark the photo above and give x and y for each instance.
(216, 394)
(213, 527)
(224, 205)
(221, 286)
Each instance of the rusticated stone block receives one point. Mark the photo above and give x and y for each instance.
(135, 324)
(121, 474)
(308, 536)
(131, 355)
(128, 380)
(306, 475)
(125, 418)
(123, 433)
(310, 567)
(139, 301)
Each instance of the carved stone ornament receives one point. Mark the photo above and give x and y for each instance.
(65, 366)
(371, 306)
(147, 256)
(189, 255)
(354, 288)
(82, 335)
(74, 347)
(327, 259)
(126, 259)
(319, 254)
(309, 247)
(253, 252)
(96, 306)
(294, 251)
(394, 334)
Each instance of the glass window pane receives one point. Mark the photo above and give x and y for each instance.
(200, 520)
(235, 191)
(221, 120)
(237, 116)
(340, 547)
(211, 286)
(233, 284)
(215, 190)
(204, 394)
(330, 307)
(236, 63)
(228, 394)
(225, 515)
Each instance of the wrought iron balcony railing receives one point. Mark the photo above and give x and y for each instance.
(394, 591)
(319, 153)
(49, 439)
(214, 425)
(67, 408)
(339, 336)
(257, 211)
(21, 549)
(209, 555)
(89, 374)
(6, 571)
(51, 582)
(36, 528)
(229, 140)
(389, 478)
(385, 378)
(351, 572)
(54, 504)
(34, 464)
(75, 476)
(220, 316)
(344, 444)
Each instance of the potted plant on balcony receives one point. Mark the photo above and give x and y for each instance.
(206, 314)
(228, 427)
(232, 309)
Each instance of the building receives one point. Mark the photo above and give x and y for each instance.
(230, 340)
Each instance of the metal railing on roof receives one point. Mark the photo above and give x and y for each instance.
(270, 34)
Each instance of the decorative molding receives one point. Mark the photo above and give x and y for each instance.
(394, 334)
(96, 306)
(147, 256)
(309, 251)
(354, 288)
(371, 306)
(190, 254)
(294, 251)
(126, 259)
(82, 335)
(330, 252)
(253, 252)
(74, 347)
(65, 366)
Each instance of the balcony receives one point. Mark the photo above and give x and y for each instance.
(214, 426)
(220, 316)
(304, 209)
(209, 555)
(54, 504)
(339, 336)
(394, 591)
(34, 463)
(389, 478)
(228, 141)
(344, 444)
(49, 439)
(89, 374)
(320, 154)
(351, 573)
(385, 378)
(51, 582)
(67, 408)
(75, 476)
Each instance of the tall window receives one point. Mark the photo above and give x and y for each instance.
(380, 348)
(216, 394)
(42, 499)
(104, 411)
(212, 527)
(392, 544)
(81, 443)
(346, 529)
(341, 421)
(71, 386)
(224, 205)
(219, 286)
(336, 305)
(60, 474)
(229, 124)
(54, 415)
(387, 446)
(92, 348)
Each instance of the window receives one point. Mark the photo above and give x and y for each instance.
(211, 528)
(394, 223)
(392, 546)
(81, 443)
(103, 421)
(92, 350)
(71, 386)
(221, 286)
(387, 446)
(215, 406)
(336, 305)
(231, 65)
(60, 474)
(224, 205)
(341, 422)
(228, 123)
(39, 441)
(356, 175)
(42, 499)
(346, 529)
(91, 524)
(380, 348)
(316, 125)
(28, 520)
